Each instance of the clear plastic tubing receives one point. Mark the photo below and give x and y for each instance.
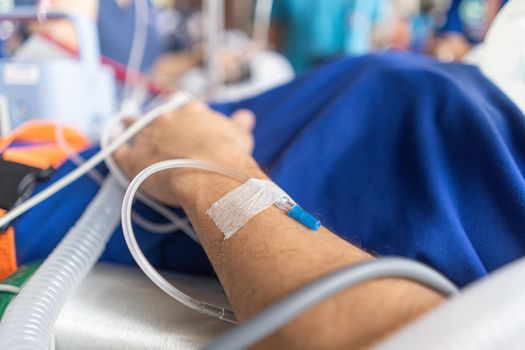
(138, 255)
(30, 319)
(177, 101)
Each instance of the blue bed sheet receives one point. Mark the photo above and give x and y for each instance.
(396, 153)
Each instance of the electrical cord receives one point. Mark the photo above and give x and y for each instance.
(138, 255)
(176, 102)
(292, 306)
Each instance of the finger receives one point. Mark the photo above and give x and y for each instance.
(128, 121)
(244, 119)
(122, 157)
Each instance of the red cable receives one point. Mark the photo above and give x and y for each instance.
(121, 71)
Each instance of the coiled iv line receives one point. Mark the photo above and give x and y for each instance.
(138, 255)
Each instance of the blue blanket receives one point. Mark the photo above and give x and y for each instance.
(397, 153)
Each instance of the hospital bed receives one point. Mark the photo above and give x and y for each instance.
(117, 307)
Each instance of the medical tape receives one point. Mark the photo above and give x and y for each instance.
(236, 208)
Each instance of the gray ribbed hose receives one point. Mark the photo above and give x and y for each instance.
(29, 321)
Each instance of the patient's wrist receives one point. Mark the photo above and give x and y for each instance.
(200, 189)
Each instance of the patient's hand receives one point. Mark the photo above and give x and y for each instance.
(193, 132)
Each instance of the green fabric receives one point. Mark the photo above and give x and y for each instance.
(17, 279)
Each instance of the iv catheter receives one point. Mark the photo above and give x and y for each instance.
(286, 205)
(292, 306)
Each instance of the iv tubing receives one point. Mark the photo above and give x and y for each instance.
(29, 320)
(261, 23)
(176, 221)
(138, 45)
(73, 155)
(176, 102)
(138, 255)
(115, 171)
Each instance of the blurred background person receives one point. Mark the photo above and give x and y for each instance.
(311, 32)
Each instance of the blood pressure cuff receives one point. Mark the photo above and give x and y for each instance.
(397, 153)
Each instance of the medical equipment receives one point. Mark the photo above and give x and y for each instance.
(208, 308)
(487, 315)
(233, 210)
(295, 304)
(176, 102)
(74, 156)
(117, 307)
(175, 221)
(30, 318)
(261, 22)
(130, 104)
(214, 27)
(298, 302)
(267, 69)
(44, 318)
(272, 316)
(142, 261)
(57, 88)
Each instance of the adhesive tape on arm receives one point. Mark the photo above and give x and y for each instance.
(236, 208)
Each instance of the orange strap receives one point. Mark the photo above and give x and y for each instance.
(7, 251)
(42, 150)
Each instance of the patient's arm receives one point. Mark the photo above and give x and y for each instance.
(272, 255)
